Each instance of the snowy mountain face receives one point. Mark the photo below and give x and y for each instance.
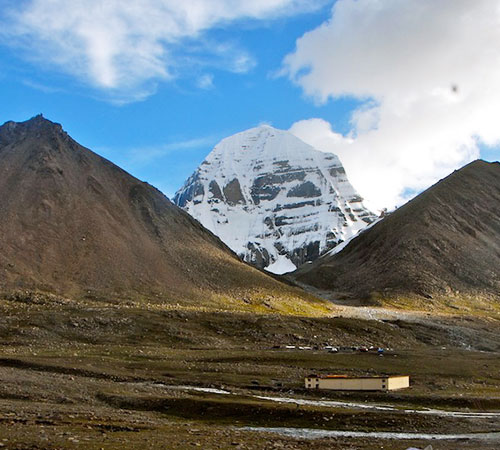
(273, 199)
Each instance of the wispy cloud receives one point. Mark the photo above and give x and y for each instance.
(146, 155)
(206, 81)
(41, 87)
(124, 47)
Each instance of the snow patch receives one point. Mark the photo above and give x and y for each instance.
(281, 266)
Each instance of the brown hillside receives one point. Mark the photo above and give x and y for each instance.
(446, 241)
(74, 224)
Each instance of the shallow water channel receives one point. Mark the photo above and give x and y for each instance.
(375, 407)
(311, 433)
(344, 405)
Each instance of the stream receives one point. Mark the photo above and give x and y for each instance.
(311, 433)
(344, 405)
(375, 407)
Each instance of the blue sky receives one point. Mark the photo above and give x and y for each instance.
(164, 137)
(156, 102)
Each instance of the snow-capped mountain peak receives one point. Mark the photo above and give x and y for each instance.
(272, 198)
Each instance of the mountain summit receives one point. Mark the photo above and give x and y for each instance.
(74, 224)
(273, 199)
(443, 243)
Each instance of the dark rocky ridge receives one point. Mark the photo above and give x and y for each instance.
(74, 224)
(445, 242)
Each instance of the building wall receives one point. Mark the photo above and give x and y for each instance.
(399, 382)
(353, 384)
(312, 383)
(358, 384)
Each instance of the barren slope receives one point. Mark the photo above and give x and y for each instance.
(74, 224)
(445, 242)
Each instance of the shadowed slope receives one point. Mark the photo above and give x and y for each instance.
(74, 224)
(444, 242)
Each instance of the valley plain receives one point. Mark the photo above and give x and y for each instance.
(91, 374)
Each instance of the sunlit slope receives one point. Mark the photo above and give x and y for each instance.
(76, 225)
(443, 244)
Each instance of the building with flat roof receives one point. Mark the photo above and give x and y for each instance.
(352, 383)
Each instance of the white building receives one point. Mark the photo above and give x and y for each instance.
(348, 383)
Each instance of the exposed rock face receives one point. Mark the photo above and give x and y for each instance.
(273, 199)
(443, 243)
(76, 225)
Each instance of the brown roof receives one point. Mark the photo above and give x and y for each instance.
(353, 377)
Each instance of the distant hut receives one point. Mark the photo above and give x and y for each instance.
(348, 383)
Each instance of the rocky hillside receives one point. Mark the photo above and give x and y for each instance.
(76, 225)
(273, 199)
(443, 243)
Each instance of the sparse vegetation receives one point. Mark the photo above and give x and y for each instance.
(88, 373)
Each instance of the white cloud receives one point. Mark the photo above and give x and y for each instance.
(427, 72)
(124, 46)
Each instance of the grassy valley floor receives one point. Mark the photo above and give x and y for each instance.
(93, 375)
